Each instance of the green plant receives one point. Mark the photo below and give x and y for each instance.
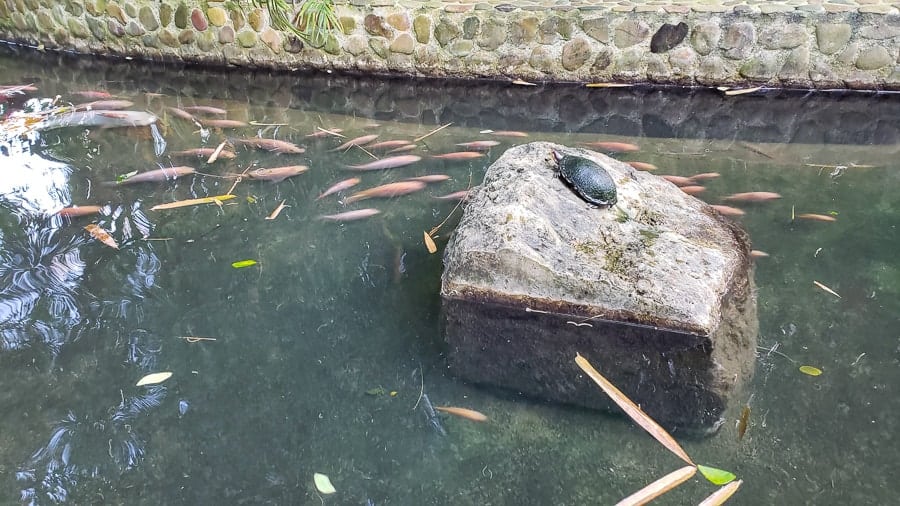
(312, 23)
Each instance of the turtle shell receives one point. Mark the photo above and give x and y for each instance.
(588, 179)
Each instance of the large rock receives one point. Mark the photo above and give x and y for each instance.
(656, 292)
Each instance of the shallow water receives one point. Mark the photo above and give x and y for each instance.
(322, 349)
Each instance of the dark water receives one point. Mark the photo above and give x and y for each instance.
(321, 350)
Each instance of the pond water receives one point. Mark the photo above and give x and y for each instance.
(315, 357)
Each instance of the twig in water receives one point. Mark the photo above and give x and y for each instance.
(429, 134)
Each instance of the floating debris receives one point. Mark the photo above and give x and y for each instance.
(829, 290)
(339, 186)
(154, 379)
(101, 235)
(810, 370)
(277, 211)
(218, 199)
(468, 414)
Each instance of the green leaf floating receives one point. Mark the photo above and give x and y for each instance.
(243, 263)
(716, 476)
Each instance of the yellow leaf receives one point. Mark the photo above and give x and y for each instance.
(243, 263)
(632, 410)
(323, 484)
(101, 235)
(193, 202)
(429, 243)
(154, 379)
(812, 371)
(659, 487)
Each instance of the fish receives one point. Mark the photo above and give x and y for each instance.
(339, 186)
(105, 104)
(615, 147)
(401, 149)
(509, 133)
(92, 94)
(387, 144)
(430, 178)
(460, 195)
(642, 165)
(277, 174)
(678, 180)
(274, 145)
(468, 414)
(458, 155)
(357, 214)
(387, 191)
(356, 142)
(479, 144)
(205, 109)
(204, 153)
(432, 416)
(693, 189)
(97, 118)
(75, 211)
(728, 210)
(705, 175)
(753, 196)
(758, 254)
(179, 113)
(323, 132)
(816, 217)
(387, 163)
(158, 175)
(223, 123)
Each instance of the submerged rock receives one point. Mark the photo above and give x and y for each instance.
(656, 292)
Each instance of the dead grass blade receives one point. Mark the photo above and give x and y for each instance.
(429, 134)
(277, 211)
(429, 243)
(632, 410)
(825, 288)
(218, 199)
(659, 487)
(723, 494)
(215, 155)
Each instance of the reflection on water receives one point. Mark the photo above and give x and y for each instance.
(314, 358)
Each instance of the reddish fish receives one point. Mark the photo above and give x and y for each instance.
(758, 254)
(510, 133)
(387, 163)
(704, 176)
(693, 189)
(753, 196)
(615, 147)
(431, 178)
(92, 95)
(206, 109)
(223, 123)
(356, 142)
(105, 104)
(75, 211)
(460, 195)
(273, 145)
(339, 186)
(402, 149)
(203, 153)
(277, 174)
(387, 191)
(387, 145)
(815, 217)
(159, 175)
(458, 155)
(678, 180)
(179, 113)
(479, 144)
(351, 215)
(642, 165)
(728, 210)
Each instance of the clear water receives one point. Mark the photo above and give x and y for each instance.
(336, 312)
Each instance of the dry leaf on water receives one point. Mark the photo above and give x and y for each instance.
(429, 243)
(719, 497)
(154, 379)
(277, 211)
(632, 410)
(323, 484)
(101, 235)
(659, 487)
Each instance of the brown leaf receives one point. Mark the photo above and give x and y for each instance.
(277, 211)
(633, 411)
(720, 496)
(429, 243)
(659, 487)
(101, 235)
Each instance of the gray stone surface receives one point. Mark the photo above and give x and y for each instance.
(662, 281)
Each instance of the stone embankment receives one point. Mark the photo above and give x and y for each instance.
(794, 43)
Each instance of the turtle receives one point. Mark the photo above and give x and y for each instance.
(589, 180)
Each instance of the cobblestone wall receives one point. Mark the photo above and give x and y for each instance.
(804, 44)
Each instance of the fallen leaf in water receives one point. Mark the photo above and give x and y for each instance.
(429, 243)
(243, 263)
(154, 379)
(323, 484)
(742, 424)
(659, 487)
(101, 235)
(218, 199)
(829, 290)
(277, 211)
(810, 370)
(716, 476)
(719, 497)
(741, 91)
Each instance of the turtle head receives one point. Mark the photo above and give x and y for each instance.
(557, 155)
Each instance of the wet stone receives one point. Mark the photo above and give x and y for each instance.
(168, 38)
(597, 28)
(78, 29)
(873, 58)
(403, 44)
(422, 27)
(470, 27)
(271, 38)
(226, 35)
(576, 53)
(379, 46)
(445, 32)
(541, 59)
(150, 40)
(524, 30)
(376, 26)
(198, 19)
(247, 38)
(115, 28)
(493, 35)
(148, 18)
(217, 16)
(186, 36)
(783, 37)
(165, 14)
(630, 32)
(134, 29)
(832, 37)
(356, 44)
(399, 20)
(461, 48)
(849, 54)
(181, 16)
(667, 37)
(738, 40)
